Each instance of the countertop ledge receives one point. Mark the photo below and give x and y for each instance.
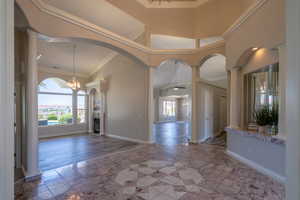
(275, 139)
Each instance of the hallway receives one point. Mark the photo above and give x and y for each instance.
(171, 133)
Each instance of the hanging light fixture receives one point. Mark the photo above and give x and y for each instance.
(74, 84)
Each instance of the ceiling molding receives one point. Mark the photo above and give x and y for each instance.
(55, 12)
(172, 4)
(243, 18)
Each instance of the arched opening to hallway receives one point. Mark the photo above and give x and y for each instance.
(172, 103)
(213, 95)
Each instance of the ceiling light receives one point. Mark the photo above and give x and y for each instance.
(176, 88)
(74, 83)
(255, 48)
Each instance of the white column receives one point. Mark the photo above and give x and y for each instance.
(228, 97)
(293, 99)
(32, 169)
(91, 111)
(6, 99)
(234, 98)
(150, 104)
(195, 106)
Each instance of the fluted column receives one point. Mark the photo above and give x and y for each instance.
(234, 98)
(195, 104)
(6, 100)
(32, 169)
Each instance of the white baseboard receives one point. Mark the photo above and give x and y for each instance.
(128, 139)
(257, 167)
(62, 134)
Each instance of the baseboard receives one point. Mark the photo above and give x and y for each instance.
(62, 134)
(257, 167)
(128, 139)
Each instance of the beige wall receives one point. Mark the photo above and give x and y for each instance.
(126, 114)
(210, 19)
(264, 29)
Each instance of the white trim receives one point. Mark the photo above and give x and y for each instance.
(256, 166)
(55, 12)
(242, 19)
(173, 4)
(62, 134)
(128, 139)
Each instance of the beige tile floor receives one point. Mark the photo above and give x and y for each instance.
(155, 172)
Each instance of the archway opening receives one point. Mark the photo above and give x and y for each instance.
(172, 103)
(214, 87)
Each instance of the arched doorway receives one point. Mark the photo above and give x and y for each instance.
(213, 84)
(172, 102)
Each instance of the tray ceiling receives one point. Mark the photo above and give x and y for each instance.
(172, 3)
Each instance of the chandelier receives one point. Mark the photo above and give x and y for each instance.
(74, 84)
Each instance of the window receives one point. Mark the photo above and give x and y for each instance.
(81, 106)
(169, 108)
(261, 90)
(54, 103)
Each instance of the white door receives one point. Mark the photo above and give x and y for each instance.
(208, 113)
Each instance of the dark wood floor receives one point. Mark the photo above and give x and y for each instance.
(171, 133)
(58, 152)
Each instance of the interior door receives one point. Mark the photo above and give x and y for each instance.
(208, 113)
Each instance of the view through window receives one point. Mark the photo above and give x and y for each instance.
(55, 103)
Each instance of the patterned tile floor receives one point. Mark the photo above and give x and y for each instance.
(155, 172)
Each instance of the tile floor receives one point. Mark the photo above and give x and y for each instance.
(155, 172)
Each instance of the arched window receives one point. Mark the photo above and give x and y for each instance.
(81, 106)
(55, 102)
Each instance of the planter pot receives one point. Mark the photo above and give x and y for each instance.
(262, 129)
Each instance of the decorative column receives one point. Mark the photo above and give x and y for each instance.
(7, 99)
(195, 104)
(234, 98)
(293, 100)
(228, 96)
(150, 103)
(32, 169)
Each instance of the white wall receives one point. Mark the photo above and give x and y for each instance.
(127, 103)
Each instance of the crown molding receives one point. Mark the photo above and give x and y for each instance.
(174, 4)
(243, 18)
(55, 12)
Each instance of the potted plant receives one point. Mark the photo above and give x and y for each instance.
(262, 118)
(274, 119)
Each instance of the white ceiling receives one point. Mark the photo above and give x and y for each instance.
(103, 14)
(89, 57)
(60, 55)
(214, 69)
(171, 42)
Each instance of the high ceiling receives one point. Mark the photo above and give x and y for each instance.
(59, 56)
(103, 14)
